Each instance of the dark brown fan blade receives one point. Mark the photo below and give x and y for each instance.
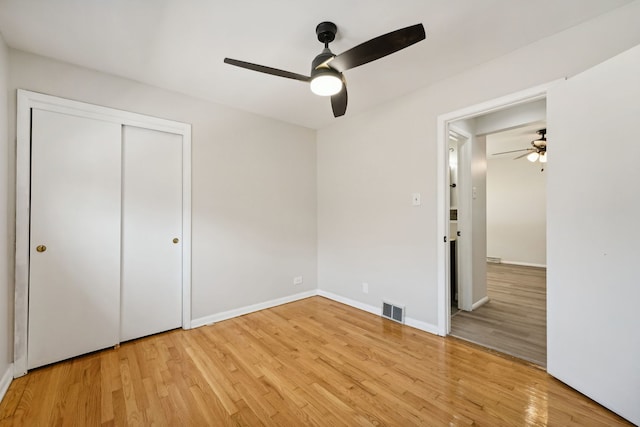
(523, 155)
(339, 101)
(378, 47)
(267, 70)
(513, 151)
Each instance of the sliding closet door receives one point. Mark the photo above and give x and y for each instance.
(151, 232)
(74, 292)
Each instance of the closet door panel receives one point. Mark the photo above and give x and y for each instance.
(151, 232)
(74, 291)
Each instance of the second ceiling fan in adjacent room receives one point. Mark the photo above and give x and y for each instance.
(538, 150)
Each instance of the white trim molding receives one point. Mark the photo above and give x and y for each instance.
(408, 321)
(442, 135)
(523, 264)
(27, 101)
(219, 317)
(5, 381)
(351, 303)
(476, 305)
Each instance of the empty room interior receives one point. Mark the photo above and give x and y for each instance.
(202, 228)
(510, 312)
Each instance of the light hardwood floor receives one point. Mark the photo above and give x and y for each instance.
(514, 321)
(311, 362)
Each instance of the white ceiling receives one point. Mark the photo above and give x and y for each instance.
(180, 44)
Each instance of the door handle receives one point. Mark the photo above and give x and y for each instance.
(458, 233)
(176, 240)
(41, 248)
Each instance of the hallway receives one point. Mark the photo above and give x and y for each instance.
(514, 321)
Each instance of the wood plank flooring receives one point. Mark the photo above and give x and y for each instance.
(514, 321)
(311, 362)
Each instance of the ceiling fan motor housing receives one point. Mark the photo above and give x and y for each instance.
(323, 57)
(326, 32)
(540, 144)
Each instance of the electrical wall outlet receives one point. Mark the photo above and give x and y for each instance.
(297, 280)
(365, 287)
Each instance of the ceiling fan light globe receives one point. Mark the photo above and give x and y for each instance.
(543, 157)
(326, 84)
(532, 157)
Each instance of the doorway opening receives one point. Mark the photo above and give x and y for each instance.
(463, 268)
(458, 143)
(508, 310)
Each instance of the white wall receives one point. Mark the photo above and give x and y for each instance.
(368, 166)
(472, 218)
(516, 191)
(479, 219)
(593, 338)
(510, 118)
(254, 184)
(516, 211)
(6, 231)
(369, 231)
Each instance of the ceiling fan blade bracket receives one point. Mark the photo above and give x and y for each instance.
(322, 59)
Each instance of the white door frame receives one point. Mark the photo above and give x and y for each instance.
(444, 120)
(28, 100)
(465, 226)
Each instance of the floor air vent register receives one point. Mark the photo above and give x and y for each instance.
(393, 312)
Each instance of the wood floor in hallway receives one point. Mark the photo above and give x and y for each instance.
(311, 362)
(514, 321)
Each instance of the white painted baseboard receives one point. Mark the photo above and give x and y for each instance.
(423, 326)
(208, 320)
(479, 303)
(218, 317)
(408, 321)
(352, 303)
(524, 264)
(5, 381)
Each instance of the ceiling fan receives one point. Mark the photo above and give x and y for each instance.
(538, 150)
(327, 69)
